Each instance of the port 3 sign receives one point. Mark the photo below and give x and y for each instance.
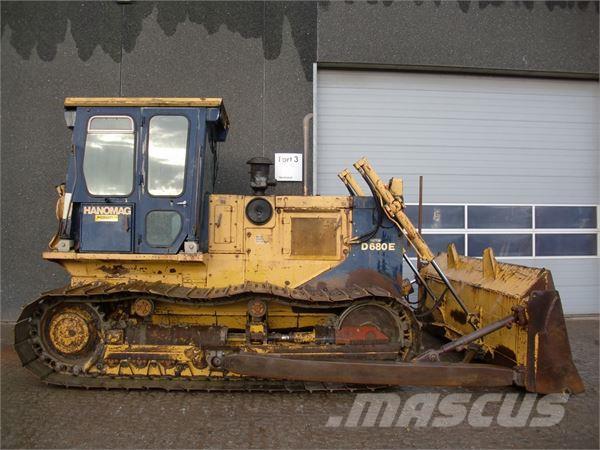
(288, 166)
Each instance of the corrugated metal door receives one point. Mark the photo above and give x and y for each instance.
(477, 140)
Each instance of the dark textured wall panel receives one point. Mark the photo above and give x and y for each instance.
(198, 50)
(509, 35)
(42, 63)
(291, 32)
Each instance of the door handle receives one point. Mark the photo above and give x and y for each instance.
(183, 203)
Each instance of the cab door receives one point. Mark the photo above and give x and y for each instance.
(103, 182)
(168, 181)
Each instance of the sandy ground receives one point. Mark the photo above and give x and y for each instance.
(38, 416)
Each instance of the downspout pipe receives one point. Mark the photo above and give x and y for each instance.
(306, 129)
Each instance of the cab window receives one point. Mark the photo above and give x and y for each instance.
(108, 159)
(167, 149)
(162, 228)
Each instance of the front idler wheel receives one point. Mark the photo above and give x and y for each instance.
(70, 336)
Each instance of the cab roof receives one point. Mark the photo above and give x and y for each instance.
(159, 102)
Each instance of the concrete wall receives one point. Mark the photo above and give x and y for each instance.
(497, 35)
(257, 55)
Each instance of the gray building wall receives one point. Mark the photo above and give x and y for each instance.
(490, 35)
(257, 55)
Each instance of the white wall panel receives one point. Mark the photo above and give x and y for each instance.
(475, 139)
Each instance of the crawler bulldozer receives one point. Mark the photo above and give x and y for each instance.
(176, 287)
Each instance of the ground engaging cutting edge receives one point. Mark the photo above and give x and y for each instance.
(176, 287)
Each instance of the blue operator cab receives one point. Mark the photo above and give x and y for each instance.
(140, 173)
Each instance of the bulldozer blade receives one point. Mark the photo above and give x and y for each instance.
(490, 290)
(369, 372)
(550, 367)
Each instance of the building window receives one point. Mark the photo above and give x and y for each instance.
(566, 244)
(505, 217)
(566, 217)
(512, 231)
(502, 244)
(438, 216)
(439, 242)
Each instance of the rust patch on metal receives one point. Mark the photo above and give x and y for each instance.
(370, 351)
(504, 355)
(370, 277)
(459, 316)
(369, 372)
(147, 334)
(367, 334)
(142, 307)
(314, 237)
(114, 336)
(116, 270)
(550, 365)
(138, 357)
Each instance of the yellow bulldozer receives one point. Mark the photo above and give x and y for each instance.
(174, 286)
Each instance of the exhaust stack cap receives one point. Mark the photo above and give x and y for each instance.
(259, 174)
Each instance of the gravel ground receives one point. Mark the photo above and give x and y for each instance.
(38, 416)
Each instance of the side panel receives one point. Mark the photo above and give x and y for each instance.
(226, 224)
(375, 259)
(307, 242)
(107, 227)
(314, 242)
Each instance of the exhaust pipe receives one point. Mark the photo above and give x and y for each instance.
(305, 123)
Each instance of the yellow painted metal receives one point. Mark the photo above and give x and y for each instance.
(396, 187)
(305, 337)
(239, 251)
(153, 360)
(162, 102)
(226, 224)
(257, 328)
(233, 316)
(73, 256)
(351, 183)
(68, 330)
(490, 289)
(103, 268)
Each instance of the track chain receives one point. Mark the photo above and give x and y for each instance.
(50, 371)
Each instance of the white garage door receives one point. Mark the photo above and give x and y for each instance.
(508, 162)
